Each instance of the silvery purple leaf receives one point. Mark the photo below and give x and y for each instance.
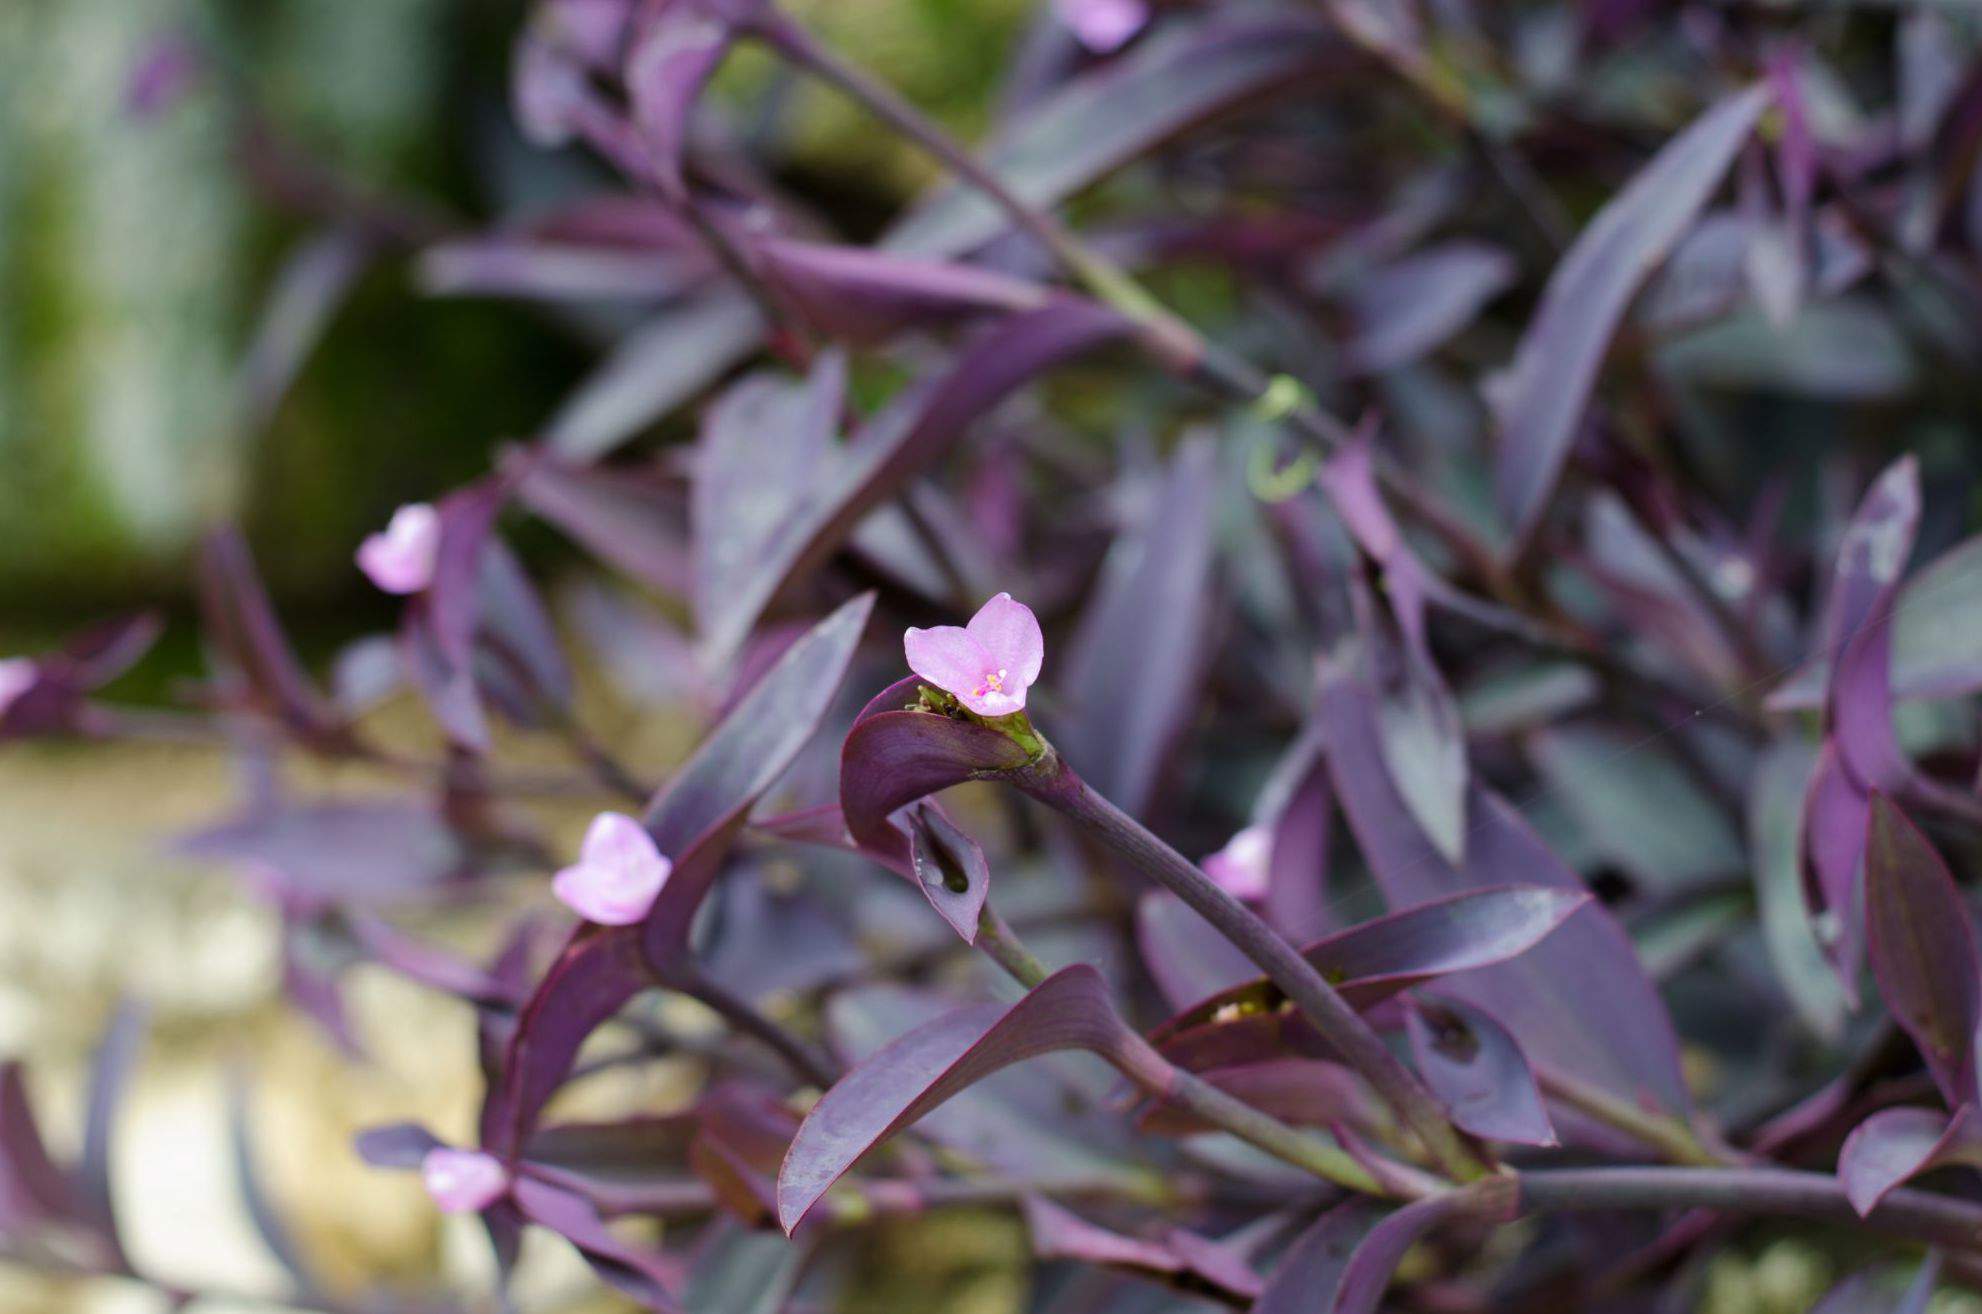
(1611, 1028)
(1179, 78)
(1375, 960)
(1775, 856)
(1302, 1092)
(907, 1078)
(110, 1075)
(949, 867)
(629, 519)
(314, 282)
(854, 294)
(1478, 1072)
(1413, 306)
(1893, 1146)
(1922, 947)
(1139, 653)
(1375, 1257)
(1185, 955)
(677, 50)
(1309, 1275)
(399, 1145)
(361, 851)
(242, 622)
(1178, 1258)
(1556, 366)
(648, 1277)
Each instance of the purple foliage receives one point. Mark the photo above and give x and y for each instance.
(1470, 702)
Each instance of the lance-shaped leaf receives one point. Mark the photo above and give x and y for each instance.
(1180, 1259)
(1138, 655)
(110, 1076)
(891, 759)
(1372, 962)
(360, 851)
(34, 1189)
(314, 282)
(648, 1277)
(1609, 1027)
(1309, 1276)
(1098, 122)
(669, 359)
(1893, 1146)
(706, 803)
(677, 51)
(1186, 955)
(267, 1220)
(948, 866)
(1922, 947)
(744, 1272)
(1775, 854)
(1375, 1257)
(1478, 1072)
(241, 620)
(907, 1078)
(1556, 365)
(1407, 309)
(1302, 1092)
(632, 1166)
(693, 822)
(850, 293)
(889, 449)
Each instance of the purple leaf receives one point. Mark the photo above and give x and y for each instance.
(647, 1277)
(1922, 947)
(242, 623)
(313, 284)
(1375, 1257)
(1893, 1146)
(1775, 849)
(701, 810)
(1309, 1276)
(1372, 962)
(33, 1188)
(1610, 1028)
(949, 867)
(672, 357)
(110, 1075)
(1179, 1259)
(891, 759)
(400, 1145)
(917, 1072)
(1186, 956)
(1555, 368)
(1303, 1092)
(628, 519)
(1407, 309)
(849, 293)
(262, 1213)
(678, 50)
(1133, 670)
(1176, 80)
(894, 445)
(1478, 1073)
(356, 851)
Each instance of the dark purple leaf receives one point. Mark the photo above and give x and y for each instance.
(678, 50)
(1133, 670)
(1610, 1028)
(949, 867)
(430, 966)
(850, 293)
(1297, 885)
(1186, 956)
(242, 623)
(400, 1145)
(919, 1071)
(1411, 307)
(1176, 80)
(33, 1188)
(1302, 1092)
(701, 810)
(1478, 1072)
(897, 443)
(1375, 1257)
(1556, 367)
(675, 355)
(1371, 962)
(648, 1277)
(1893, 1146)
(891, 759)
(1309, 1276)
(1179, 1259)
(1922, 947)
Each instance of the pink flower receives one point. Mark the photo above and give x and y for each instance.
(17, 676)
(618, 875)
(989, 663)
(1103, 25)
(402, 558)
(463, 1181)
(1243, 866)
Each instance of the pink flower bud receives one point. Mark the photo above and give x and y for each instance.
(1103, 25)
(17, 676)
(463, 1181)
(1243, 866)
(401, 559)
(989, 663)
(618, 875)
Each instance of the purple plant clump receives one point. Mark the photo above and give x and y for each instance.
(1576, 707)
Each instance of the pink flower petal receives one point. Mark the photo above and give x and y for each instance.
(401, 559)
(17, 676)
(1242, 867)
(1103, 26)
(618, 875)
(463, 1181)
(948, 657)
(1009, 632)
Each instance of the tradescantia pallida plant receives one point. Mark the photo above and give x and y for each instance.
(1545, 728)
